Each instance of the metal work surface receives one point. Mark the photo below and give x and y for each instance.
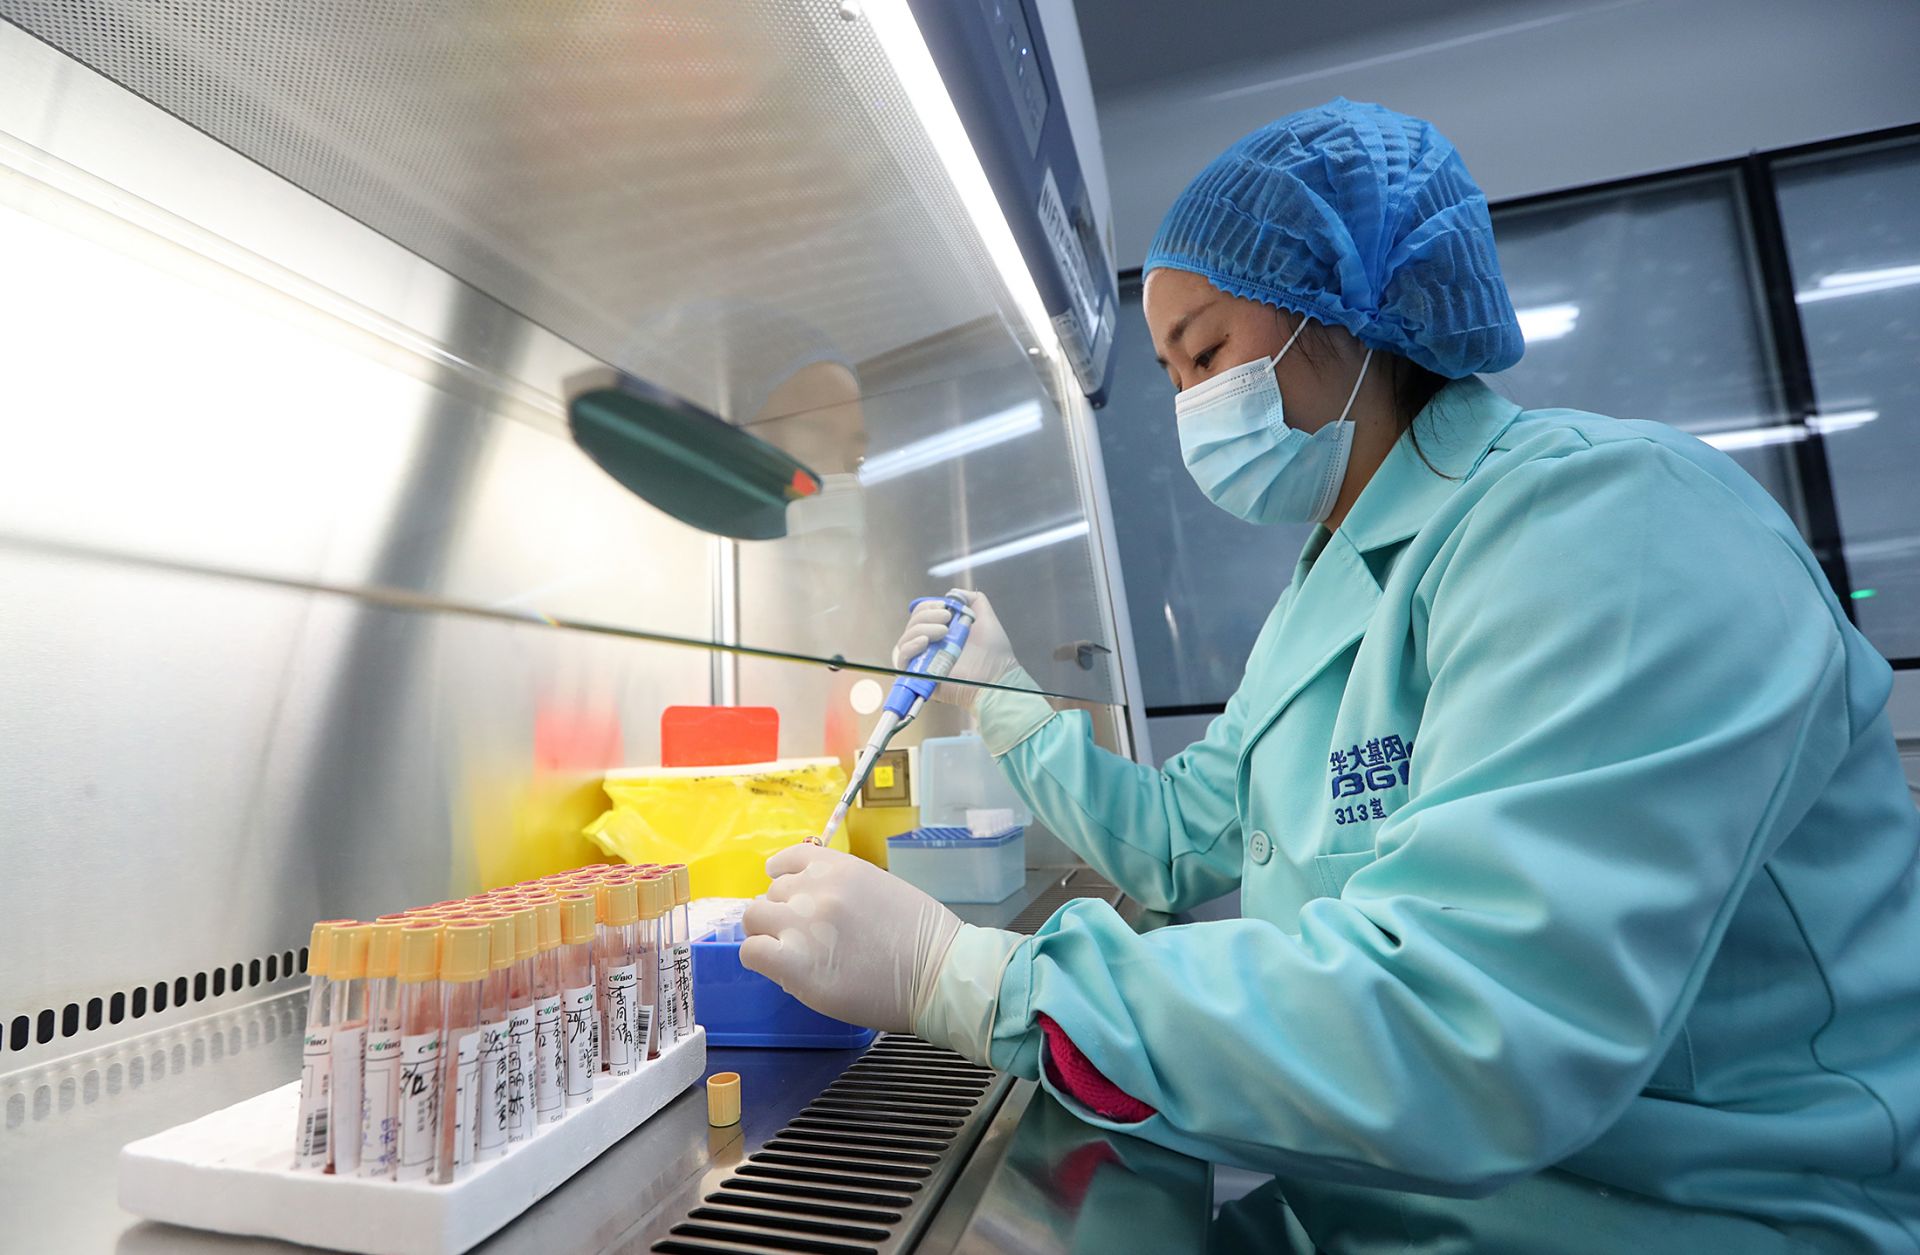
(65, 1124)
(1043, 1182)
(813, 1122)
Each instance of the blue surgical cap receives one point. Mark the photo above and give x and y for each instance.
(1358, 217)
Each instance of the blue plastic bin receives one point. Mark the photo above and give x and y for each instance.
(742, 1008)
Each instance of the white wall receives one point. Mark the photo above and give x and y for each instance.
(1549, 95)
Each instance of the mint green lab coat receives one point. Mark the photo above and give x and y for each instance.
(1576, 861)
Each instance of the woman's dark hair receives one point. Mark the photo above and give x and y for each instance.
(1413, 384)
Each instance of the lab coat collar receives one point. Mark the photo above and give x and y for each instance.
(1456, 428)
(1334, 588)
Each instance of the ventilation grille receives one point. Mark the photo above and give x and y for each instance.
(1081, 882)
(117, 1012)
(860, 1170)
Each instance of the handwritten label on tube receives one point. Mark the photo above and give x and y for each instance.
(419, 1106)
(550, 1065)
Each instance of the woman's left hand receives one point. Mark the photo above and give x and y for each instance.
(846, 938)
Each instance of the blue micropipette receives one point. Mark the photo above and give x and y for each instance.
(904, 700)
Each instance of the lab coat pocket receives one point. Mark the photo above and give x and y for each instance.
(1332, 871)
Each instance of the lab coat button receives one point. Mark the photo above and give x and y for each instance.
(1259, 846)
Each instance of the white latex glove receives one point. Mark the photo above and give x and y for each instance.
(847, 939)
(988, 655)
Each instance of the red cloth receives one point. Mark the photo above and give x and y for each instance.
(1074, 1073)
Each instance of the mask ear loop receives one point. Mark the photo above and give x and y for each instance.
(1290, 339)
(1330, 486)
(1346, 409)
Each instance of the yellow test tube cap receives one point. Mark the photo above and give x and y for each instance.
(576, 919)
(682, 883)
(723, 1099)
(383, 949)
(526, 931)
(347, 951)
(623, 903)
(318, 944)
(504, 944)
(656, 896)
(463, 950)
(420, 951)
(547, 915)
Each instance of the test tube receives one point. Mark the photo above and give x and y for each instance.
(577, 1001)
(347, 987)
(599, 891)
(620, 980)
(463, 973)
(520, 1031)
(681, 931)
(496, 1029)
(380, 1086)
(417, 1140)
(549, 1027)
(312, 1146)
(653, 903)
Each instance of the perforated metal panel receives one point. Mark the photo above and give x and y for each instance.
(696, 190)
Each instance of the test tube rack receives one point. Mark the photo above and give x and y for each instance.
(232, 1171)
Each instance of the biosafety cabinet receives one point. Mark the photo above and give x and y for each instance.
(313, 605)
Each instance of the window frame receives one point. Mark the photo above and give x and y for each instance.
(1756, 202)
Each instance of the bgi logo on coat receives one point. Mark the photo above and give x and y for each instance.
(1362, 772)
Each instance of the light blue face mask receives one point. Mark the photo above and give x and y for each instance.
(1237, 446)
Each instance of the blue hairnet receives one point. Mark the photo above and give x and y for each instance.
(1359, 217)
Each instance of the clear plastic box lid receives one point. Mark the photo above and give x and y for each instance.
(943, 837)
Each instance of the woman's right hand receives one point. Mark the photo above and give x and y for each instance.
(987, 657)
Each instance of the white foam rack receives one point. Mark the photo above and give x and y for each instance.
(232, 1171)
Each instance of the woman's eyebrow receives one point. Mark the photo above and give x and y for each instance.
(1181, 324)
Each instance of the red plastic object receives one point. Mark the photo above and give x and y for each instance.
(718, 736)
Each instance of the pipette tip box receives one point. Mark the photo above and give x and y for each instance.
(232, 1171)
(953, 865)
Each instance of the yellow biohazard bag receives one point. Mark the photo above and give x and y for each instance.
(722, 822)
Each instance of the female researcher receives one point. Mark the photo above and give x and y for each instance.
(1576, 862)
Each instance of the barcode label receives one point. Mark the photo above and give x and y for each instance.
(419, 1105)
(343, 1101)
(380, 1106)
(643, 1028)
(663, 1001)
(316, 1084)
(550, 1050)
